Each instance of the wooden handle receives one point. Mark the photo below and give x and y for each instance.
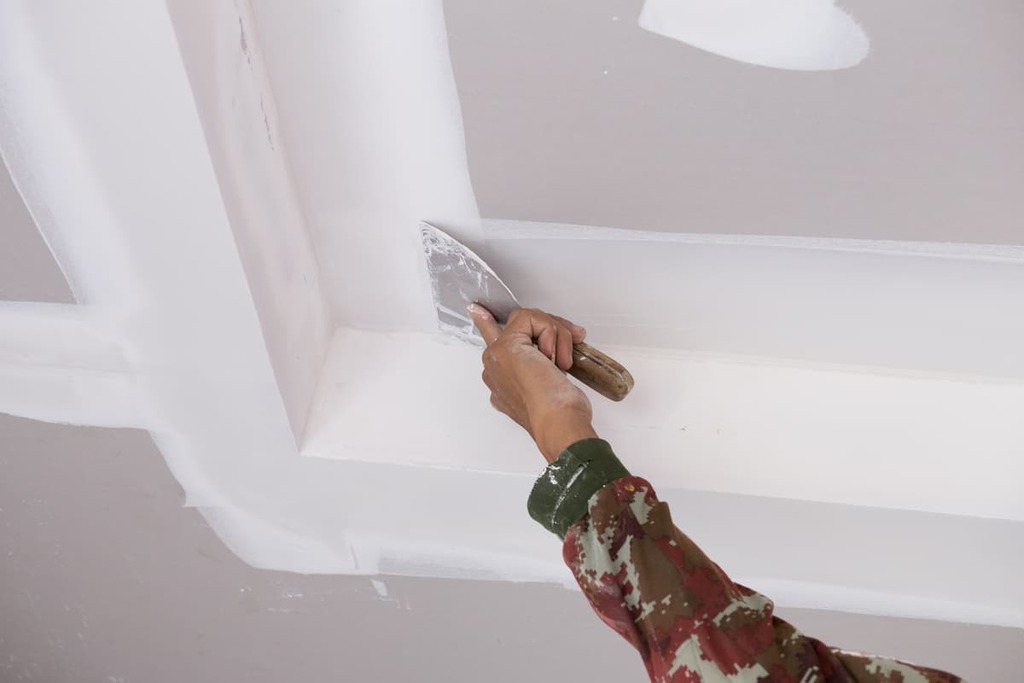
(600, 372)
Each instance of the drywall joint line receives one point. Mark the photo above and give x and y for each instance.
(502, 229)
(59, 335)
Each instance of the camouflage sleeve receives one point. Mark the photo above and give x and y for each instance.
(658, 590)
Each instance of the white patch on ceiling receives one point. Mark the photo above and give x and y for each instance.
(802, 35)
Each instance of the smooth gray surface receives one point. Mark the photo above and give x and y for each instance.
(105, 577)
(574, 114)
(28, 271)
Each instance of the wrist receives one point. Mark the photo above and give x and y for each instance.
(555, 435)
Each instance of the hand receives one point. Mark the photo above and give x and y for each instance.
(524, 367)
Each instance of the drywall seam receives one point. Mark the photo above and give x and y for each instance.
(936, 310)
(59, 363)
(72, 396)
(36, 138)
(808, 595)
(305, 551)
(28, 271)
(856, 438)
(100, 133)
(378, 554)
(912, 589)
(669, 355)
(371, 119)
(58, 335)
(222, 54)
(500, 229)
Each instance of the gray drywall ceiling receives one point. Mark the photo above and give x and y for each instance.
(574, 114)
(27, 269)
(106, 577)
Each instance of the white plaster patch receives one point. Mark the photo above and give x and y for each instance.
(886, 306)
(802, 35)
(223, 58)
(374, 76)
(749, 424)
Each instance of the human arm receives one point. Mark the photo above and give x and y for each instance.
(654, 586)
(642, 576)
(524, 367)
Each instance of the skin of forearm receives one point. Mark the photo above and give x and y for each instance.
(555, 432)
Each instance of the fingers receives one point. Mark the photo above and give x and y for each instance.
(485, 322)
(547, 339)
(553, 336)
(555, 340)
(578, 333)
(563, 352)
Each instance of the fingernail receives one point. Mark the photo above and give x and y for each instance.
(477, 309)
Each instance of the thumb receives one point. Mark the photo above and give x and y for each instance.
(485, 322)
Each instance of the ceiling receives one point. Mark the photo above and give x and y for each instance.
(157, 597)
(27, 269)
(574, 114)
(242, 245)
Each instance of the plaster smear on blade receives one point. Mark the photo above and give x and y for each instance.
(801, 35)
(452, 295)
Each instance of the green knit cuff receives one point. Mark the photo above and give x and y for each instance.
(559, 498)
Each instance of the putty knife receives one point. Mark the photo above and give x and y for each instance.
(460, 278)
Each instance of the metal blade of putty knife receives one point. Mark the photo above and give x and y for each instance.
(459, 278)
